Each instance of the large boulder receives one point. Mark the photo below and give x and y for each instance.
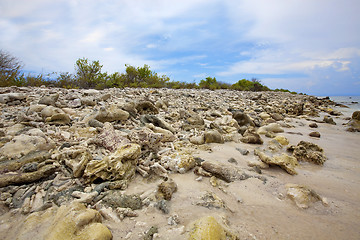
(209, 228)
(354, 123)
(308, 152)
(73, 221)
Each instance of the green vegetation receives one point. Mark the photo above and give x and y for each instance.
(89, 75)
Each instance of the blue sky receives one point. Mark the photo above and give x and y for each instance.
(310, 46)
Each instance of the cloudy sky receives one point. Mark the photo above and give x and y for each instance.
(310, 46)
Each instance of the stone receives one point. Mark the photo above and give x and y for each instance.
(356, 115)
(120, 165)
(10, 97)
(73, 221)
(242, 119)
(272, 127)
(109, 138)
(95, 123)
(58, 119)
(49, 100)
(277, 116)
(286, 162)
(158, 122)
(243, 151)
(110, 114)
(309, 152)
(251, 137)
(146, 107)
(213, 136)
(115, 199)
(211, 200)
(50, 111)
(29, 177)
(329, 120)
(77, 160)
(23, 144)
(314, 134)
(88, 101)
(195, 119)
(166, 189)
(226, 173)
(33, 157)
(198, 140)
(208, 228)
(150, 233)
(313, 125)
(282, 140)
(303, 196)
(166, 135)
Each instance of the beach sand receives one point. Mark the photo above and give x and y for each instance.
(255, 209)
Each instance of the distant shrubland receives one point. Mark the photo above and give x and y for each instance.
(88, 74)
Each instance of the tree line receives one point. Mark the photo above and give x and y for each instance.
(88, 74)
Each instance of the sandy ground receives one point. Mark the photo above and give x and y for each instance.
(257, 210)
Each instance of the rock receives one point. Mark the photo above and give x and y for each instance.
(23, 144)
(49, 100)
(88, 101)
(166, 189)
(272, 127)
(162, 205)
(356, 115)
(213, 136)
(286, 162)
(158, 122)
(109, 138)
(208, 228)
(150, 233)
(49, 111)
(243, 151)
(120, 165)
(76, 159)
(313, 125)
(242, 119)
(146, 107)
(309, 152)
(58, 119)
(34, 157)
(11, 97)
(232, 160)
(282, 140)
(277, 116)
(24, 178)
(198, 140)
(195, 119)
(250, 136)
(95, 123)
(225, 173)
(167, 136)
(329, 120)
(110, 114)
(264, 116)
(211, 200)
(314, 134)
(354, 123)
(73, 221)
(75, 103)
(116, 199)
(303, 196)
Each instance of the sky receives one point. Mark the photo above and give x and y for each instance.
(308, 46)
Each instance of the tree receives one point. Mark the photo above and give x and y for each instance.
(89, 74)
(209, 83)
(9, 68)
